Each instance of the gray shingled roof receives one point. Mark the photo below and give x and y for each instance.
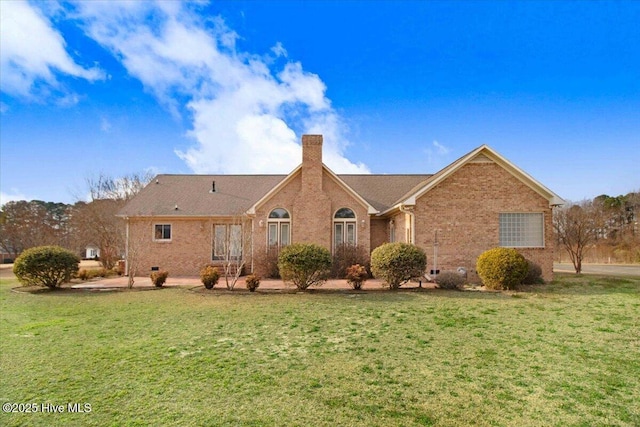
(235, 194)
(192, 194)
(383, 191)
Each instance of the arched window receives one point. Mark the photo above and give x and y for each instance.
(344, 227)
(278, 229)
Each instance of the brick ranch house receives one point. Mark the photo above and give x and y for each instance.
(180, 223)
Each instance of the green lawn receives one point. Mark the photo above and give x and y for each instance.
(565, 354)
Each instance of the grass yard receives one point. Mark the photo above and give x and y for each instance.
(564, 354)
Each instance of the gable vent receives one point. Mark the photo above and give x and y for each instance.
(481, 158)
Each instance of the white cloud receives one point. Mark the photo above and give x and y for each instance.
(279, 50)
(437, 153)
(13, 195)
(440, 149)
(33, 52)
(247, 114)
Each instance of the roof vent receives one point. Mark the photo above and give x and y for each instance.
(176, 208)
(213, 186)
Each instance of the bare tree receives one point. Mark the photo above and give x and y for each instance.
(577, 227)
(122, 188)
(237, 245)
(135, 245)
(96, 220)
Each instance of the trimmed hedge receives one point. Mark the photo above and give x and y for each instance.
(397, 263)
(502, 268)
(48, 266)
(304, 264)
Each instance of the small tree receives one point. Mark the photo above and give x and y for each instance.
(304, 264)
(502, 268)
(577, 227)
(46, 266)
(397, 263)
(237, 243)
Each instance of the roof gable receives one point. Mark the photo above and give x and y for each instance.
(483, 154)
(371, 209)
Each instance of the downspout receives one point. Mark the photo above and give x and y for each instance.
(412, 221)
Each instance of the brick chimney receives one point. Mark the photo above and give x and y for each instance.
(312, 163)
(311, 221)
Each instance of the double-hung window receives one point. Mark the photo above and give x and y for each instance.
(522, 230)
(227, 242)
(162, 232)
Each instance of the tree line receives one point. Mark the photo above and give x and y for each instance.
(604, 229)
(26, 224)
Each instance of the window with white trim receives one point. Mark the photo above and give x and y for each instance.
(227, 242)
(522, 230)
(278, 228)
(162, 232)
(344, 227)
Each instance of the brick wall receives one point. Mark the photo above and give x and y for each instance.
(189, 249)
(312, 199)
(465, 210)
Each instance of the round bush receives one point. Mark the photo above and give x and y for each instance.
(396, 263)
(252, 282)
(158, 278)
(209, 276)
(450, 280)
(304, 264)
(48, 266)
(502, 268)
(356, 275)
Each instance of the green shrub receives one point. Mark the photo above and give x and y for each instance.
(346, 255)
(209, 276)
(158, 278)
(396, 263)
(356, 275)
(46, 266)
(304, 264)
(252, 282)
(534, 274)
(450, 280)
(501, 268)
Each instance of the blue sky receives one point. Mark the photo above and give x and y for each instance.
(114, 87)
